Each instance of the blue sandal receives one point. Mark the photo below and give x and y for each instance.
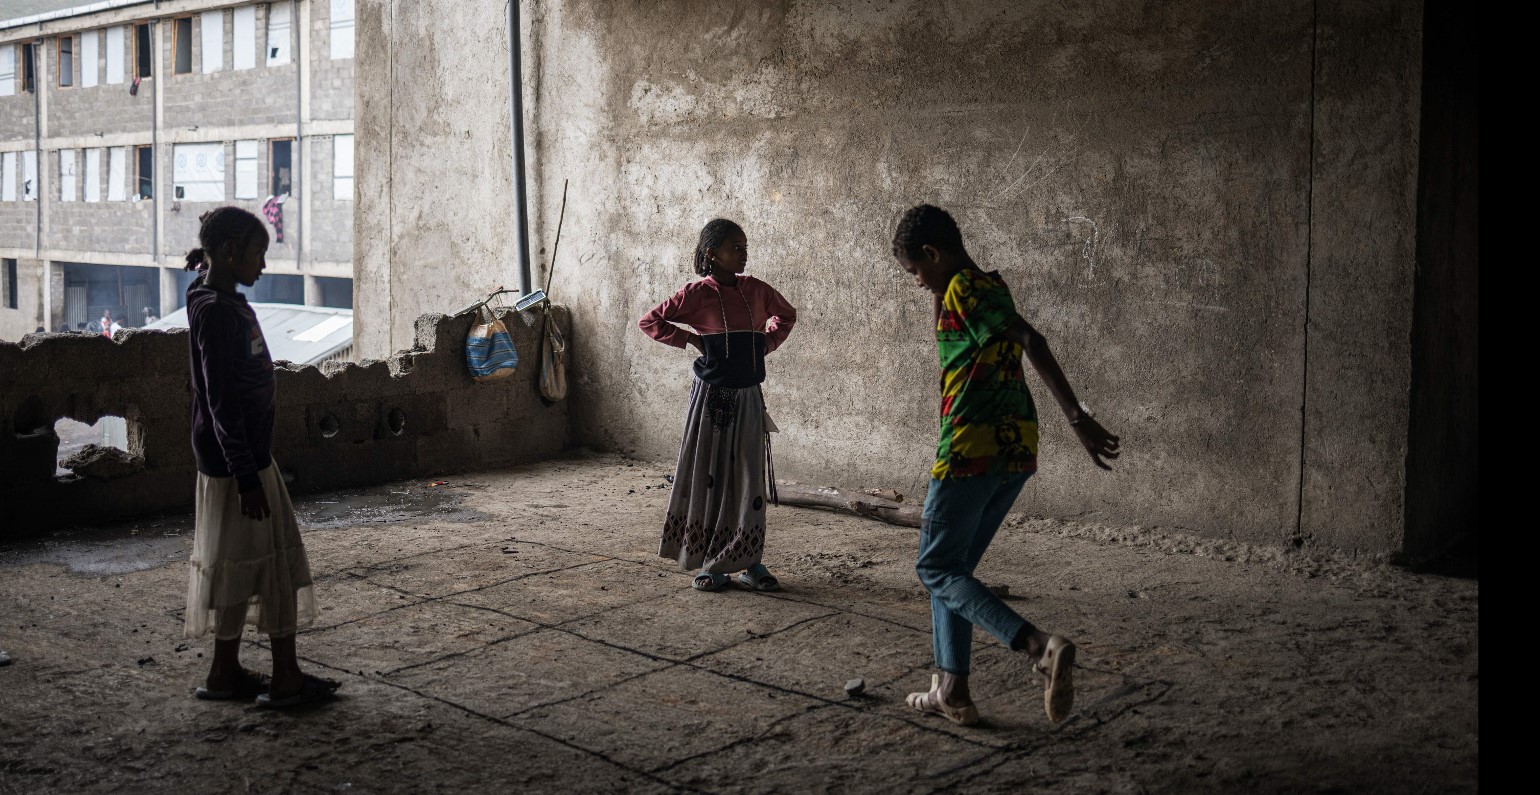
(759, 578)
(707, 581)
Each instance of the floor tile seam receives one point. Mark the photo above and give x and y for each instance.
(591, 691)
(517, 728)
(457, 654)
(558, 624)
(827, 701)
(752, 638)
(405, 558)
(479, 588)
(1005, 758)
(805, 711)
(816, 603)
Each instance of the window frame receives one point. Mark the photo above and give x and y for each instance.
(272, 163)
(176, 43)
(149, 34)
(29, 68)
(139, 180)
(61, 73)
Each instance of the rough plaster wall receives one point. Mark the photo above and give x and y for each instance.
(452, 424)
(434, 232)
(1140, 173)
(1363, 237)
(1137, 173)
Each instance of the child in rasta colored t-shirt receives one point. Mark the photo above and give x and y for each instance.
(986, 452)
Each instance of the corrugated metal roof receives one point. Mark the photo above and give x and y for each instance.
(299, 334)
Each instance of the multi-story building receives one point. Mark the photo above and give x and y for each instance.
(123, 121)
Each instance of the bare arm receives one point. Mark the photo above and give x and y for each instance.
(1093, 437)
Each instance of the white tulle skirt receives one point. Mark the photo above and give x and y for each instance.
(247, 566)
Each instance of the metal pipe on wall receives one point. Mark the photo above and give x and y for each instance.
(298, 155)
(516, 103)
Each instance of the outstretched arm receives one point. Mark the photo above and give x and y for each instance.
(1093, 437)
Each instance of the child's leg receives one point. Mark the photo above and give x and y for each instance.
(960, 519)
(225, 671)
(287, 678)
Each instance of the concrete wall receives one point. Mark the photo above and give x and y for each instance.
(18, 322)
(1204, 207)
(451, 423)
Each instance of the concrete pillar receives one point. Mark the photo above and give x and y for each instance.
(312, 291)
(46, 316)
(170, 295)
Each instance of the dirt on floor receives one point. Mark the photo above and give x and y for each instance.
(513, 630)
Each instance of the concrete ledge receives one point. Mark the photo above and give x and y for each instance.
(339, 426)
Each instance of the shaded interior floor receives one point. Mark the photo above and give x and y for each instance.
(513, 629)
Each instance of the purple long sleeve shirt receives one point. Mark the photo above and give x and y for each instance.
(234, 395)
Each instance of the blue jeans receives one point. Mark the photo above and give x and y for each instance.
(960, 519)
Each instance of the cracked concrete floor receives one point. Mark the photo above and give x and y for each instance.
(513, 631)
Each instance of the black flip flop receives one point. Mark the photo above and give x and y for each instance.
(313, 691)
(251, 685)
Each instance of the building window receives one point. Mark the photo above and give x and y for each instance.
(93, 175)
(198, 172)
(67, 164)
(145, 175)
(90, 42)
(29, 176)
(8, 176)
(117, 168)
(115, 55)
(243, 54)
(28, 68)
(144, 52)
(10, 284)
(212, 27)
(181, 44)
(245, 169)
(277, 34)
(66, 45)
(342, 167)
(342, 29)
(7, 70)
(281, 166)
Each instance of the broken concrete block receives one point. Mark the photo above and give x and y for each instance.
(95, 461)
(855, 687)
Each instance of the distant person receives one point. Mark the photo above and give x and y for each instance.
(40, 330)
(149, 316)
(104, 326)
(723, 481)
(92, 328)
(987, 450)
(247, 553)
(114, 328)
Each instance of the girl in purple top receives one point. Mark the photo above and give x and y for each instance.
(247, 551)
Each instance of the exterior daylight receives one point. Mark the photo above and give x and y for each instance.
(122, 122)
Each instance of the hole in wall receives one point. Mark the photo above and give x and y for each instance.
(29, 419)
(396, 421)
(109, 431)
(330, 426)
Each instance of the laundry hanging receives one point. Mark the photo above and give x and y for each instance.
(272, 210)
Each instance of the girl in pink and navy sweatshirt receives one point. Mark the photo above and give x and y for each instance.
(723, 481)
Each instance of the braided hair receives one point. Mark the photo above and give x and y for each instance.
(713, 234)
(221, 227)
(926, 225)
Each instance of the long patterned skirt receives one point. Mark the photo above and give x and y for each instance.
(716, 513)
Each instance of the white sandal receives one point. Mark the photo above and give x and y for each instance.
(1057, 667)
(931, 702)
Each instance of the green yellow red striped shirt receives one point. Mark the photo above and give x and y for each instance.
(988, 419)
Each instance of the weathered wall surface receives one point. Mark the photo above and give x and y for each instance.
(417, 414)
(1158, 183)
